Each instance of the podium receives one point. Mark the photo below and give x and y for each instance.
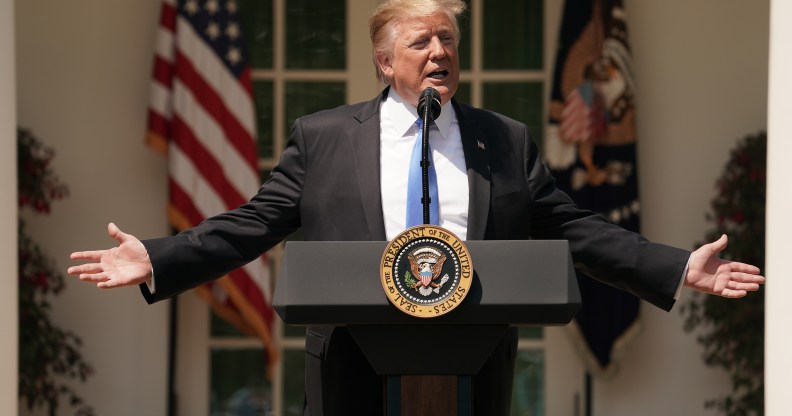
(515, 283)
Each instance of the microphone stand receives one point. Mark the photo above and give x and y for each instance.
(426, 200)
(428, 110)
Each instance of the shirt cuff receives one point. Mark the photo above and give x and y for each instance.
(678, 292)
(151, 284)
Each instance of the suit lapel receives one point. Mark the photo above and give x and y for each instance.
(477, 156)
(365, 141)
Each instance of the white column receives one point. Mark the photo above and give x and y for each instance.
(8, 212)
(778, 337)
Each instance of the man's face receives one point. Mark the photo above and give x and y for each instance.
(424, 55)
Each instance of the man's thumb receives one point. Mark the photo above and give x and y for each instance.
(115, 232)
(720, 244)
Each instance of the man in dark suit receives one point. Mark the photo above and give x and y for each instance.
(342, 177)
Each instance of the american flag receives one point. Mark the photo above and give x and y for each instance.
(201, 114)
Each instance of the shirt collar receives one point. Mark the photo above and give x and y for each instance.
(400, 116)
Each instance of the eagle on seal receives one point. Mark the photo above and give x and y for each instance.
(426, 264)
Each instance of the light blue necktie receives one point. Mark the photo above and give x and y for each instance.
(414, 190)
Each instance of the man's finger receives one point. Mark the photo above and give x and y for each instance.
(94, 277)
(747, 277)
(87, 255)
(750, 287)
(744, 268)
(85, 269)
(729, 293)
(110, 284)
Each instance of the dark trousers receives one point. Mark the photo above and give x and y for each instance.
(340, 381)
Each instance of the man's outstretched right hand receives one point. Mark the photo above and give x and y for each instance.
(127, 264)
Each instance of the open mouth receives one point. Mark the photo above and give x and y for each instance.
(441, 74)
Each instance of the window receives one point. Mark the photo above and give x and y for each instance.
(506, 73)
(309, 55)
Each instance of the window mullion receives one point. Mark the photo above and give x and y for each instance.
(477, 42)
(279, 87)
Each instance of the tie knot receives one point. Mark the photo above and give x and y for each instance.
(419, 122)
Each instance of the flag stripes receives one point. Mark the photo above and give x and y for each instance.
(201, 113)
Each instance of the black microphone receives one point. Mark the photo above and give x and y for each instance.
(428, 110)
(432, 97)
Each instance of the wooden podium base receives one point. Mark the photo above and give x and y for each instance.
(428, 395)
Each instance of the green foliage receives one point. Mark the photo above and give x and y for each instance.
(47, 354)
(408, 279)
(732, 332)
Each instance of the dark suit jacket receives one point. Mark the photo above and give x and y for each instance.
(328, 183)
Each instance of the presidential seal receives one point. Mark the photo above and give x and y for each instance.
(426, 271)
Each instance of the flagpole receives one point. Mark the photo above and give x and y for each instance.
(172, 399)
(587, 394)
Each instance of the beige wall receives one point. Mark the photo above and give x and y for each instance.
(82, 71)
(83, 68)
(701, 70)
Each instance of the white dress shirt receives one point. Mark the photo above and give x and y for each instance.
(398, 133)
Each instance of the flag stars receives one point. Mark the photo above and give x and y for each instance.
(234, 55)
(232, 31)
(615, 216)
(213, 30)
(212, 7)
(231, 7)
(191, 7)
(215, 21)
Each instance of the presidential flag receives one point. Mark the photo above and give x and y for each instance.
(201, 114)
(590, 147)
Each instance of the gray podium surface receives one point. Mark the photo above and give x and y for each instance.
(515, 283)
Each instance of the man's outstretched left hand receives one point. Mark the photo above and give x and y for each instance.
(712, 275)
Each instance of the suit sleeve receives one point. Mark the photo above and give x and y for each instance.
(600, 249)
(230, 240)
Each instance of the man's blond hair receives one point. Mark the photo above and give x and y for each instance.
(383, 23)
